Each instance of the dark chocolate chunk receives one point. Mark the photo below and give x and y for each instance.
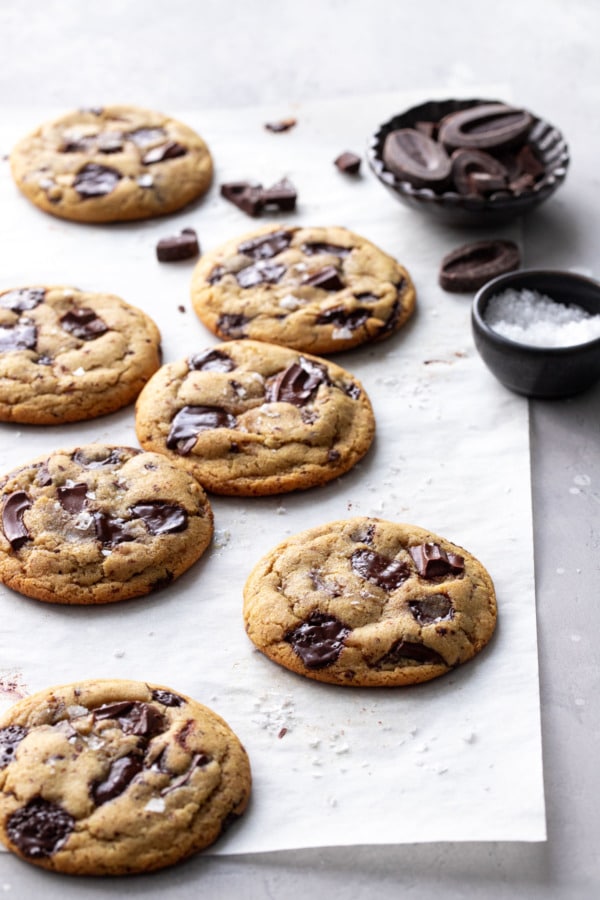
(216, 275)
(380, 570)
(416, 158)
(409, 650)
(470, 266)
(167, 698)
(22, 299)
(260, 272)
(84, 144)
(528, 162)
(83, 323)
(120, 775)
(487, 126)
(431, 609)
(112, 458)
(267, 245)
(282, 196)
(40, 828)
(72, 497)
(246, 196)
(113, 710)
(160, 517)
(339, 317)
(94, 180)
(313, 248)
(211, 361)
(328, 279)
(13, 526)
(318, 641)
(144, 136)
(468, 165)
(298, 383)
(110, 530)
(133, 716)
(10, 738)
(348, 162)
(432, 561)
(232, 325)
(281, 125)
(179, 246)
(170, 150)
(191, 420)
(22, 336)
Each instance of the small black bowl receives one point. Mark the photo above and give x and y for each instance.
(542, 372)
(458, 209)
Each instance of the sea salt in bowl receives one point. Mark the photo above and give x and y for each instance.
(538, 331)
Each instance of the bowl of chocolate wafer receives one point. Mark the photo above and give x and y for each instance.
(469, 162)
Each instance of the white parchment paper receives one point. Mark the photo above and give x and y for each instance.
(455, 759)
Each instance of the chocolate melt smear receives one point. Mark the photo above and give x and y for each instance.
(298, 383)
(318, 641)
(10, 738)
(18, 337)
(40, 828)
(121, 774)
(410, 650)
(431, 609)
(191, 420)
(380, 570)
(83, 323)
(432, 561)
(211, 361)
(12, 519)
(72, 499)
(267, 246)
(22, 299)
(94, 180)
(160, 517)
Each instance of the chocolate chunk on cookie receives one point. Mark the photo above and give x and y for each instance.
(112, 164)
(369, 603)
(318, 290)
(113, 777)
(251, 418)
(68, 355)
(98, 524)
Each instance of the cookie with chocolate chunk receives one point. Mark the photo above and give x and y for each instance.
(68, 354)
(318, 290)
(251, 418)
(112, 164)
(98, 524)
(369, 603)
(113, 777)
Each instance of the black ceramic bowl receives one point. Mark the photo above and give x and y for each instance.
(457, 209)
(543, 372)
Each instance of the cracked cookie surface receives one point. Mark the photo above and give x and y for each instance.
(320, 290)
(251, 418)
(368, 602)
(68, 355)
(97, 524)
(112, 777)
(112, 164)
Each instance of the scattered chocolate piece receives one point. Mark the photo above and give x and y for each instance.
(380, 570)
(253, 198)
(348, 162)
(432, 561)
(40, 828)
(318, 641)
(469, 267)
(281, 195)
(281, 125)
(179, 246)
(13, 526)
(416, 158)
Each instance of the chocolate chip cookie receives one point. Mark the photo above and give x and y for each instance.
(250, 418)
(319, 290)
(98, 524)
(115, 777)
(367, 602)
(112, 164)
(68, 354)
